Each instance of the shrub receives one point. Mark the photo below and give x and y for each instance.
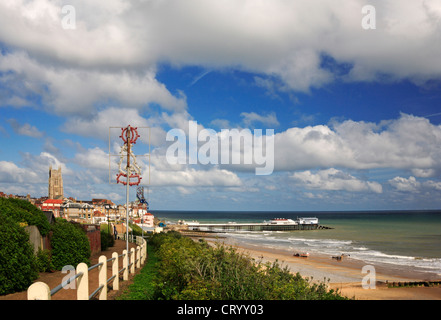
(70, 245)
(191, 270)
(17, 262)
(44, 261)
(23, 211)
(107, 239)
(136, 230)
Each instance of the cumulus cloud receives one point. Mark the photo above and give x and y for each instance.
(333, 179)
(94, 158)
(25, 129)
(286, 40)
(40, 163)
(411, 184)
(11, 173)
(159, 172)
(408, 142)
(269, 120)
(98, 125)
(80, 91)
(32, 170)
(403, 184)
(190, 177)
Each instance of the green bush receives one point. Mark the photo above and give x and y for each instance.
(44, 261)
(191, 270)
(17, 261)
(24, 211)
(70, 245)
(136, 230)
(107, 239)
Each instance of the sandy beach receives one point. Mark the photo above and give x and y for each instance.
(346, 275)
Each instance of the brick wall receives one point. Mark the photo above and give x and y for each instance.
(94, 235)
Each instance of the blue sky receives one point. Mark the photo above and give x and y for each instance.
(356, 112)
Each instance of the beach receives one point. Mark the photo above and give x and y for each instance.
(346, 275)
(400, 246)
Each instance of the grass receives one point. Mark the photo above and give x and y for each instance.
(142, 288)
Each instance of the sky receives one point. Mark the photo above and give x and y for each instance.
(352, 94)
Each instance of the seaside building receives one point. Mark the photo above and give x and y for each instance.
(55, 183)
(78, 211)
(146, 220)
(99, 217)
(53, 205)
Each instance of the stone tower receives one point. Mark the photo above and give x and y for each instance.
(55, 183)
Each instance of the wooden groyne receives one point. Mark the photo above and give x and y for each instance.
(200, 234)
(324, 227)
(414, 284)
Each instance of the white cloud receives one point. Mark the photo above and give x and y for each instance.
(79, 91)
(94, 158)
(249, 118)
(403, 184)
(333, 179)
(284, 39)
(411, 184)
(11, 173)
(34, 169)
(405, 143)
(25, 129)
(98, 125)
(159, 173)
(310, 147)
(424, 173)
(433, 185)
(190, 177)
(40, 164)
(111, 195)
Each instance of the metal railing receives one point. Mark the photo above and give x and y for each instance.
(41, 291)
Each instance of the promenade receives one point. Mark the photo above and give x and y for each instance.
(53, 279)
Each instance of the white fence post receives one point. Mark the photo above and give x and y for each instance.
(138, 257)
(102, 277)
(115, 271)
(83, 282)
(132, 260)
(125, 265)
(39, 291)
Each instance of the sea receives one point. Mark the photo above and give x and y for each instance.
(400, 239)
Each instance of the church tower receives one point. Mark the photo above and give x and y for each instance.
(55, 183)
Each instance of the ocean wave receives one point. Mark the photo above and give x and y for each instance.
(334, 247)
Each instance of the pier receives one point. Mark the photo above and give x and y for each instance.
(273, 225)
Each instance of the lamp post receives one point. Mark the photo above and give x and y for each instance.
(129, 136)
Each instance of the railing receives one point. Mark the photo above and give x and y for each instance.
(41, 291)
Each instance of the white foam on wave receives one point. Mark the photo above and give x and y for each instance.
(355, 249)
